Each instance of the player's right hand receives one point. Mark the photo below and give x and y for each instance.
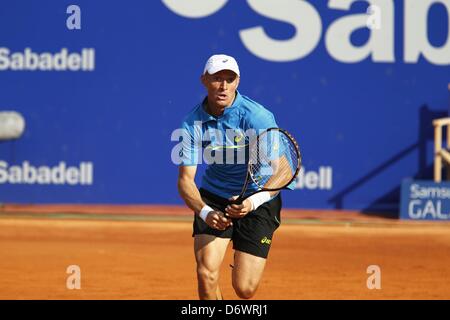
(217, 220)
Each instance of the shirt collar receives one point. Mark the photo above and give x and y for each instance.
(205, 116)
(236, 102)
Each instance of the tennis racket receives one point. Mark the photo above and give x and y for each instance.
(274, 162)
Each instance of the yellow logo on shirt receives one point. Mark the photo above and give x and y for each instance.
(238, 138)
(265, 240)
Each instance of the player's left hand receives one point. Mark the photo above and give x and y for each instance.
(237, 211)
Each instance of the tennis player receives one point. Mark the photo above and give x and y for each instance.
(250, 225)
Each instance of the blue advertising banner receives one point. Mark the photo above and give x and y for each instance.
(425, 200)
(103, 85)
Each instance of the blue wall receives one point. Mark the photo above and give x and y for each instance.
(368, 122)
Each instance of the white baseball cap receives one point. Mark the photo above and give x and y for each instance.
(219, 62)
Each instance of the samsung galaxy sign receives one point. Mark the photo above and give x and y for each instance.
(306, 20)
(425, 200)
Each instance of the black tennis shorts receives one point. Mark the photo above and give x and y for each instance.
(251, 234)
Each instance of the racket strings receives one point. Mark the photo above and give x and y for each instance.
(273, 160)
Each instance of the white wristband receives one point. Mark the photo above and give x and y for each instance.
(259, 198)
(204, 212)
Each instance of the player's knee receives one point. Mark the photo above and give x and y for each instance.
(207, 276)
(244, 291)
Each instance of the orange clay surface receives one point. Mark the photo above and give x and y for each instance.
(325, 257)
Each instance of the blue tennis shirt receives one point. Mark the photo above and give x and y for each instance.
(222, 143)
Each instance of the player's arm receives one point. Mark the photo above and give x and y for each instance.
(191, 195)
(188, 189)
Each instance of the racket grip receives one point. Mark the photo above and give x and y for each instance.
(238, 200)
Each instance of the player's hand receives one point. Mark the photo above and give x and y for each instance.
(238, 210)
(217, 220)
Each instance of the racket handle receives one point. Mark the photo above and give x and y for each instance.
(238, 200)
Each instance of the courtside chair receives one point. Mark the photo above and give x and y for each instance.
(441, 153)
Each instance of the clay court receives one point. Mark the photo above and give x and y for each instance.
(137, 255)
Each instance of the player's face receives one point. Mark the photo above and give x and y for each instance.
(221, 87)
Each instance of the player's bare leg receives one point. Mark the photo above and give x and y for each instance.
(247, 273)
(218, 293)
(209, 254)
